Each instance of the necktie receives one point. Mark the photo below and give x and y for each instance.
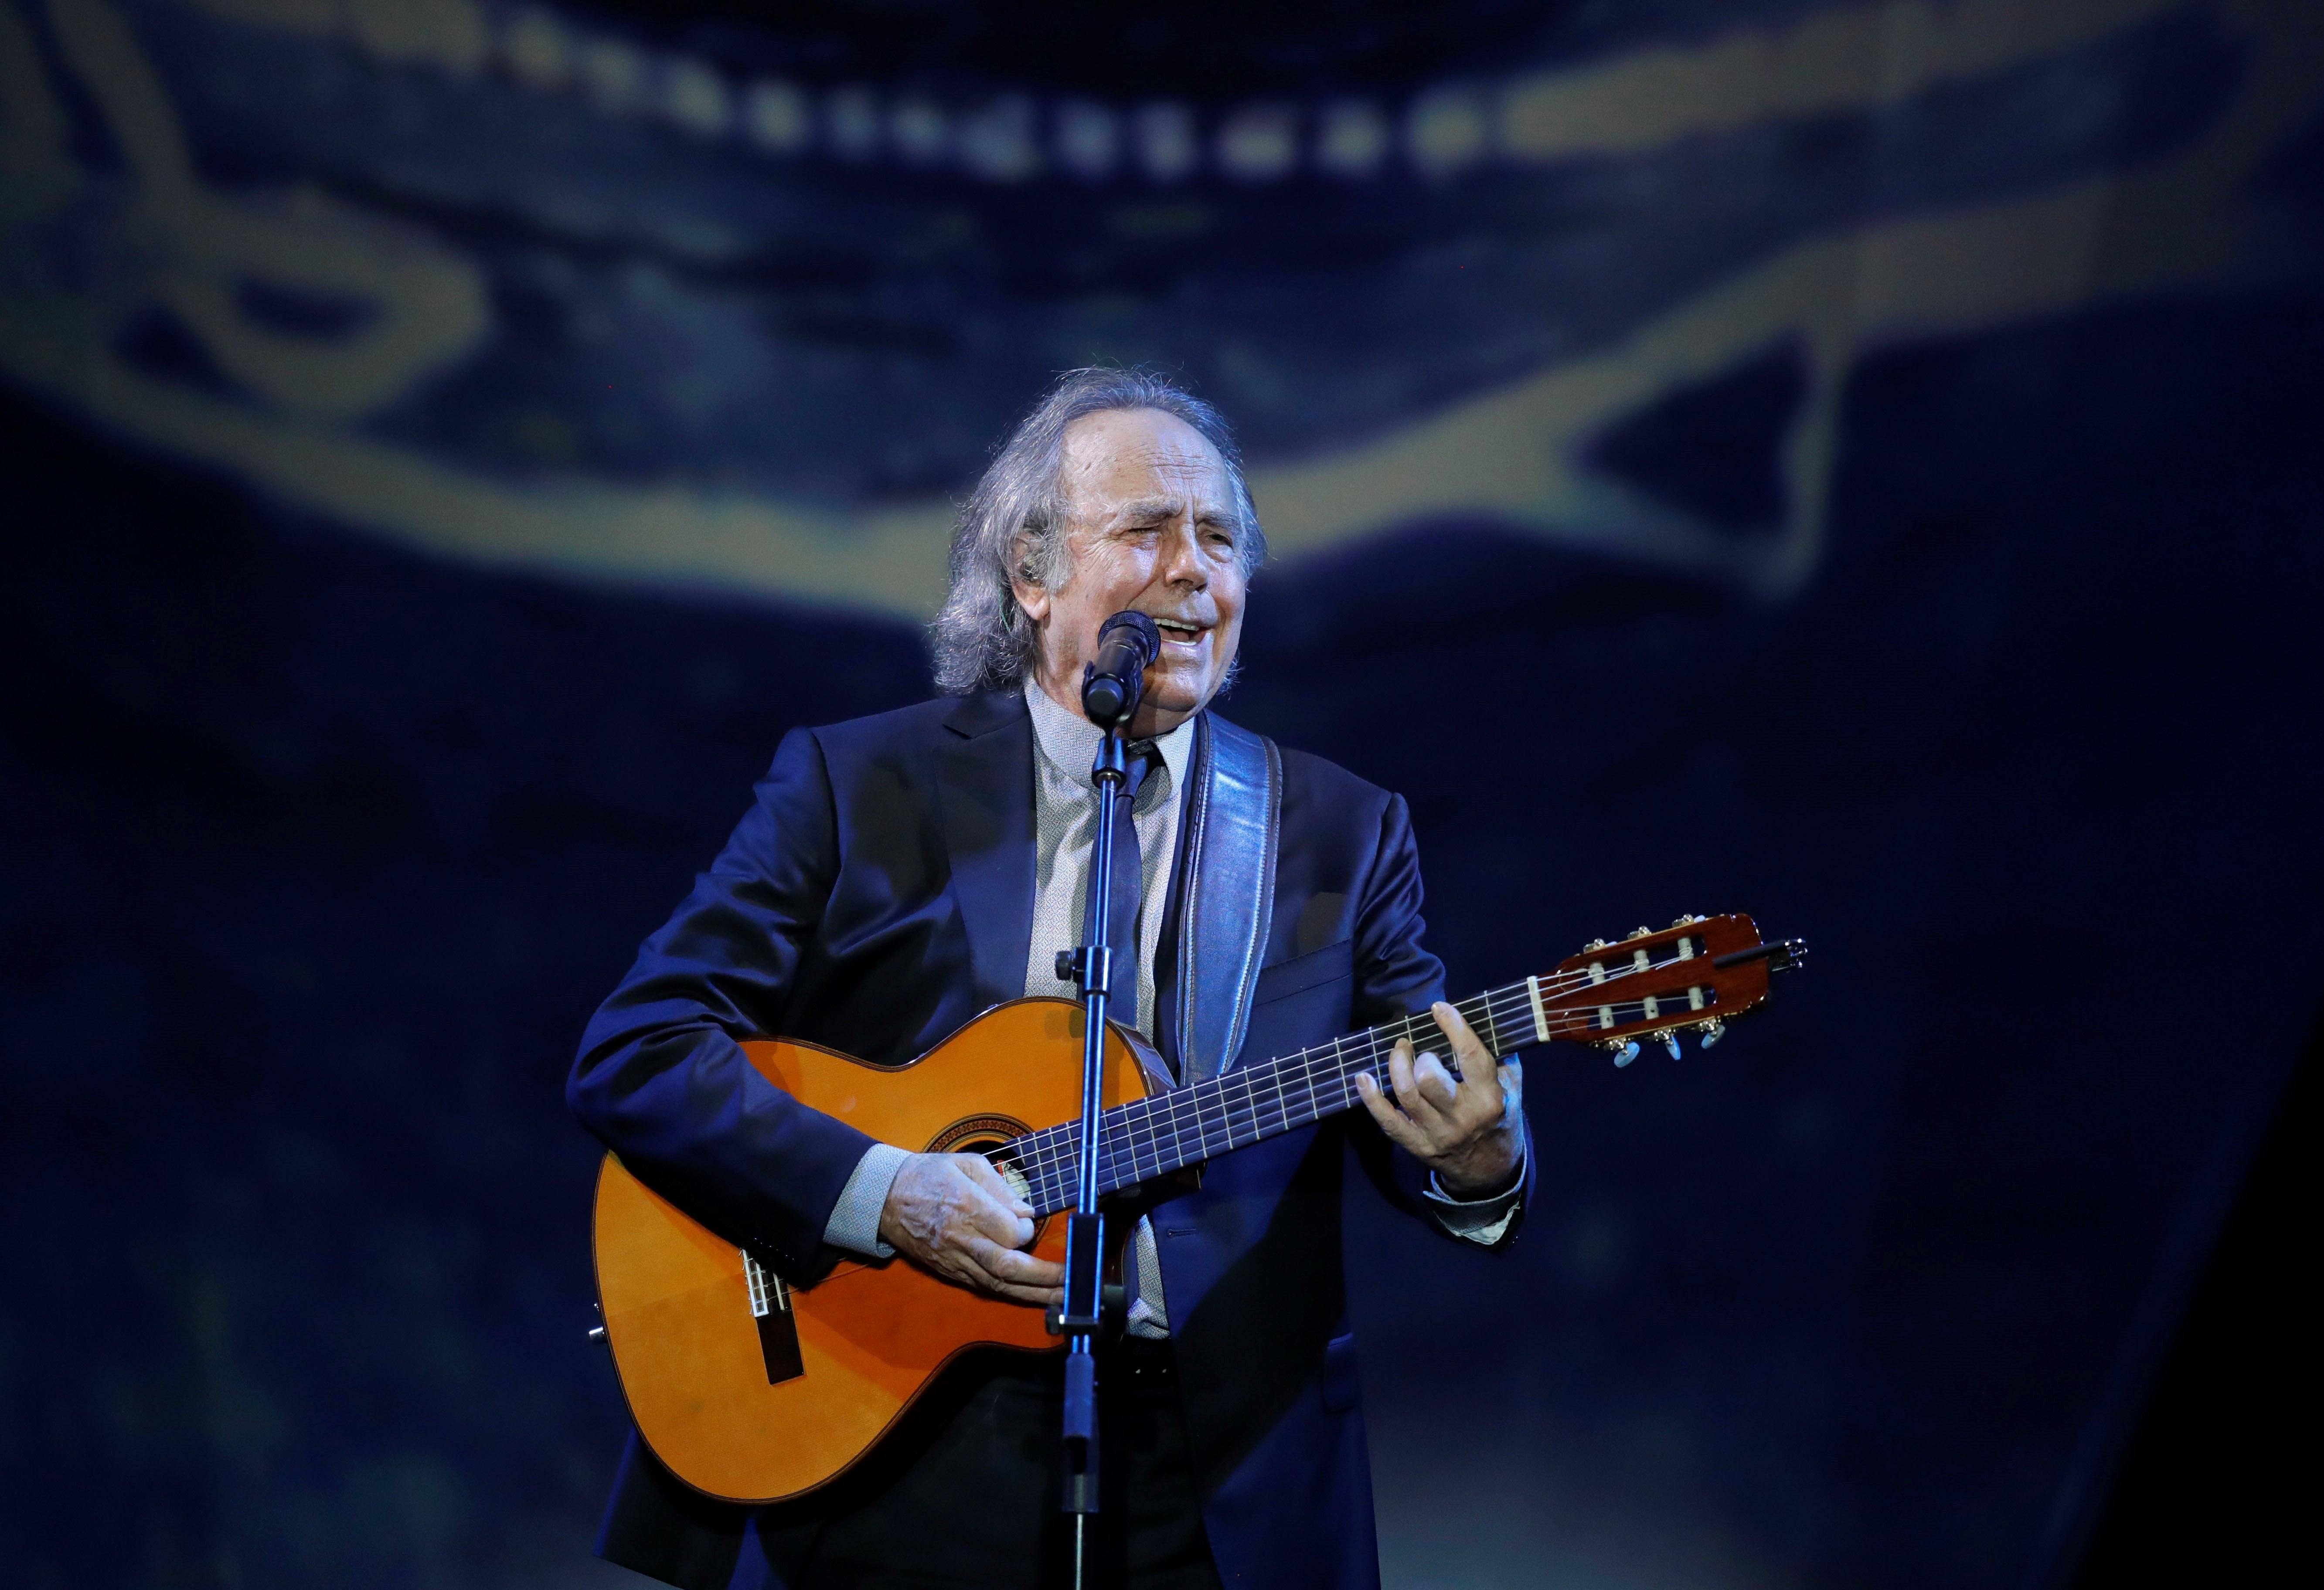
(1141, 1267)
(1129, 887)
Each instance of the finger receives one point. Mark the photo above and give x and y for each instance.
(990, 1267)
(1401, 1050)
(1476, 1064)
(1399, 1131)
(1435, 1084)
(1408, 1096)
(988, 1176)
(1483, 1098)
(960, 1272)
(989, 1216)
(1021, 1269)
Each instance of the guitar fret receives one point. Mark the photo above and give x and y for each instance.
(1120, 1166)
(1333, 1061)
(1148, 1160)
(1106, 1157)
(1144, 1142)
(1048, 1160)
(1123, 1170)
(1226, 1121)
(1483, 1024)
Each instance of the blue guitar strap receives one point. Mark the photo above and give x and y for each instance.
(1233, 821)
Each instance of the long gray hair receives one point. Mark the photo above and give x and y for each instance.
(981, 638)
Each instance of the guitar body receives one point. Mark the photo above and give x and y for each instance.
(752, 1391)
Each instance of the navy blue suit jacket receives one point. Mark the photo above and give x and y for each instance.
(877, 898)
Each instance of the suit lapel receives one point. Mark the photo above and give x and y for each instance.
(984, 771)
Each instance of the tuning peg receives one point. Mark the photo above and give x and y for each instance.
(1623, 1050)
(1638, 932)
(1593, 946)
(1712, 1031)
(1670, 1041)
(1685, 921)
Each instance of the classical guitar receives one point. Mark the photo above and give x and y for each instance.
(753, 1390)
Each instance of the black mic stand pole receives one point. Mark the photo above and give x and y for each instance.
(1081, 1313)
(1111, 686)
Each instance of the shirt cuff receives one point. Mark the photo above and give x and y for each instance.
(854, 1223)
(1482, 1220)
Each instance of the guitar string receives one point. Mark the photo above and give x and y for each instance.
(1136, 1133)
(1500, 1005)
(1156, 1142)
(1138, 1139)
(1185, 1106)
(1119, 1138)
(1496, 1007)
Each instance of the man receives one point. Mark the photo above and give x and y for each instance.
(900, 873)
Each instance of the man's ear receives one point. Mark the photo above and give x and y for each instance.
(1032, 596)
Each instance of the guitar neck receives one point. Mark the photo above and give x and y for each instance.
(1694, 973)
(1166, 1132)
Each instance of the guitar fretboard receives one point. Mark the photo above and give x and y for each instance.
(1154, 1136)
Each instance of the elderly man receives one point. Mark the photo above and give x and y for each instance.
(900, 873)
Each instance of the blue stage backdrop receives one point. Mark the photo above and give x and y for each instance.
(1858, 462)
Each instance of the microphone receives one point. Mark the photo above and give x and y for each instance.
(1127, 645)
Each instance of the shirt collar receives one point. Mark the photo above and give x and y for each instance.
(1070, 740)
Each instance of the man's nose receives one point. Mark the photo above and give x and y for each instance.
(1181, 556)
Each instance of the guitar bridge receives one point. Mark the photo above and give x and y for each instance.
(770, 1308)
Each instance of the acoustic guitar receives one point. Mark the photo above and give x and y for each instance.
(753, 1390)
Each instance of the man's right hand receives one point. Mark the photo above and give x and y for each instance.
(953, 1214)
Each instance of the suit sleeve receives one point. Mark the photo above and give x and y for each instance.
(1396, 976)
(661, 1079)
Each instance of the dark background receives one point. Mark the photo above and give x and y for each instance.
(316, 851)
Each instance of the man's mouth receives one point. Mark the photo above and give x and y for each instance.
(1182, 631)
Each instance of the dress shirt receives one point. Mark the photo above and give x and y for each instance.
(1065, 828)
(1065, 823)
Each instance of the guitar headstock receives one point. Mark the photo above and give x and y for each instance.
(1699, 973)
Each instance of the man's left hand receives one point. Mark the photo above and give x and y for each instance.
(1465, 1130)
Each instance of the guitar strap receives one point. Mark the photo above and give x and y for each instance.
(1233, 821)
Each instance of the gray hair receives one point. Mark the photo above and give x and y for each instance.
(981, 638)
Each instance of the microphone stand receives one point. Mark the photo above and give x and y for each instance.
(1091, 967)
(1112, 685)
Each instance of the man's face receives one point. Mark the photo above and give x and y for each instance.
(1150, 527)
